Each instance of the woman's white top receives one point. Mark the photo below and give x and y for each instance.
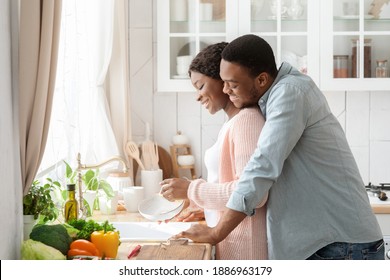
(211, 161)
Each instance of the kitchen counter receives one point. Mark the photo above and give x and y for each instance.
(119, 216)
(381, 208)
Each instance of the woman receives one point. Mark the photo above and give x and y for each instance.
(224, 161)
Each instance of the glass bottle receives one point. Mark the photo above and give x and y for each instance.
(381, 69)
(340, 66)
(356, 60)
(71, 205)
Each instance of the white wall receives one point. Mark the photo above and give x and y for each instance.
(365, 116)
(10, 187)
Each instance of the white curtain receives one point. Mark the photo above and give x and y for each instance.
(91, 100)
(95, 119)
(119, 90)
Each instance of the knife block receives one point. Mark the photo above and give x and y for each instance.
(177, 150)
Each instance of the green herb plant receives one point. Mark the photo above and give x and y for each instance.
(38, 201)
(90, 179)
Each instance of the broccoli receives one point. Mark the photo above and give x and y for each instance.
(55, 236)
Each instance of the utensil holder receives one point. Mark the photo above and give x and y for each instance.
(150, 180)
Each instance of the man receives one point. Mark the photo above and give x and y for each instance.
(317, 207)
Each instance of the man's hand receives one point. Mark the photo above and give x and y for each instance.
(200, 233)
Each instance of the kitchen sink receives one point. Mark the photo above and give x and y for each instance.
(149, 231)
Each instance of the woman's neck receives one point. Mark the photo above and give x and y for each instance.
(231, 110)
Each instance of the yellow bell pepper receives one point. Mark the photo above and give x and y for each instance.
(106, 242)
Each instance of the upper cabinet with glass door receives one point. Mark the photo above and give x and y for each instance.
(355, 36)
(184, 27)
(289, 26)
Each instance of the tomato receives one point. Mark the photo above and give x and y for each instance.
(85, 245)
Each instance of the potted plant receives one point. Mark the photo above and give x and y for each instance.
(93, 185)
(38, 205)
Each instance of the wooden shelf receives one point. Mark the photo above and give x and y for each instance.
(177, 150)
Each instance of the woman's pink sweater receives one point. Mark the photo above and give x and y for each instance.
(249, 239)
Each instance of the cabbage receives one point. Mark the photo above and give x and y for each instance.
(35, 250)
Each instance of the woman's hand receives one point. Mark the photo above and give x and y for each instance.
(190, 213)
(174, 188)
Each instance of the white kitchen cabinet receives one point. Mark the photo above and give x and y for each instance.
(344, 24)
(185, 26)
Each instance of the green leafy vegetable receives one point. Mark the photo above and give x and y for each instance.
(35, 250)
(87, 227)
(55, 236)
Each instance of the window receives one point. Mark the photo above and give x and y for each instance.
(80, 120)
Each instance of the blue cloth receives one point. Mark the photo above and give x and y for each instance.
(316, 194)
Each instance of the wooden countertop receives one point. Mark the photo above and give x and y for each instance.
(381, 208)
(119, 216)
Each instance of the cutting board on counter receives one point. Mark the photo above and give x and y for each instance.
(172, 251)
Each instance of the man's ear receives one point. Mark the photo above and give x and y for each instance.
(262, 79)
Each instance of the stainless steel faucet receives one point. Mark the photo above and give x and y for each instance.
(81, 167)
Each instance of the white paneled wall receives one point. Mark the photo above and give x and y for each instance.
(365, 116)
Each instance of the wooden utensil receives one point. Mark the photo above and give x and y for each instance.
(164, 162)
(148, 150)
(132, 151)
(155, 159)
(149, 155)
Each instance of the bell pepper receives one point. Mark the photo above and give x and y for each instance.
(106, 242)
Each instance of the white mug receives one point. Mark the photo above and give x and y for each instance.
(132, 196)
(108, 206)
(205, 11)
(350, 8)
(178, 10)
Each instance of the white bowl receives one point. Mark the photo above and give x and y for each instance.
(185, 160)
(157, 208)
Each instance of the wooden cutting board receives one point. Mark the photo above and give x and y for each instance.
(165, 163)
(172, 252)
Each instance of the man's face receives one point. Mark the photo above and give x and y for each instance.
(243, 90)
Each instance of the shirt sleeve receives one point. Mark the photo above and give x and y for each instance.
(285, 123)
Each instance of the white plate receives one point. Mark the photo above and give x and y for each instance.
(180, 77)
(157, 208)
